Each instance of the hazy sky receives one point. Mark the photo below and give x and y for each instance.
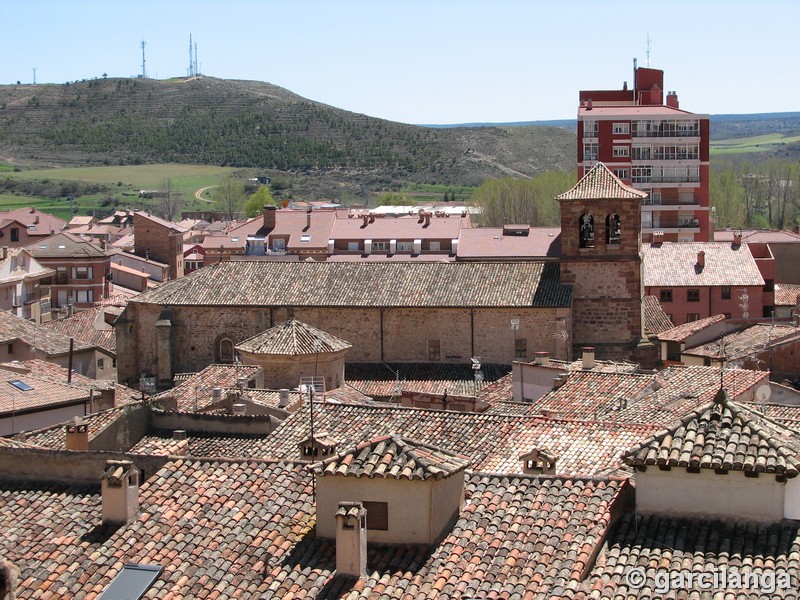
(425, 61)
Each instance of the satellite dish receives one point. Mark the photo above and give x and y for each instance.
(763, 392)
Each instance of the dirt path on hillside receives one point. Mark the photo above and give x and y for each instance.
(199, 193)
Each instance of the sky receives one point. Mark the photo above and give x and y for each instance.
(425, 61)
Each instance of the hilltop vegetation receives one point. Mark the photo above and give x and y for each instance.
(259, 126)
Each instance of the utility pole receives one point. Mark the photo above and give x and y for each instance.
(34, 75)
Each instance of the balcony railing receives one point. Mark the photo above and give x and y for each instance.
(665, 179)
(670, 134)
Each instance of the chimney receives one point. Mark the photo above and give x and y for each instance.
(284, 398)
(36, 220)
(541, 358)
(365, 219)
(588, 357)
(120, 491)
(701, 259)
(421, 215)
(371, 217)
(239, 409)
(427, 219)
(658, 237)
(589, 104)
(179, 434)
(269, 217)
(77, 435)
(308, 219)
(737, 238)
(351, 539)
(559, 381)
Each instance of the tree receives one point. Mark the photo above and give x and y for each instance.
(394, 199)
(531, 201)
(230, 194)
(169, 202)
(257, 200)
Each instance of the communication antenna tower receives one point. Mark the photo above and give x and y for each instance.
(191, 61)
(196, 68)
(648, 50)
(144, 71)
(34, 75)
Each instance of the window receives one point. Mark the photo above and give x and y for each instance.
(100, 363)
(622, 173)
(223, 349)
(380, 246)
(586, 231)
(521, 348)
(377, 515)
(725, 292)
(20, 385)
(10, 348)
(305, 238)
(666, 296)
(620, 128)
(590, 129)
(278, 244)
(405, 246)
(14, 234)
(435, 246)
(621, 151)
(590, 150)
(434, 350)
(84, 296)
(81, 272)
(353, 246)
(612, 229)
(692, 317)
(693, 295)
(61, 275)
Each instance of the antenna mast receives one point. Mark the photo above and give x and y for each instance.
(648, 50)
(144, 71)
(191, 62)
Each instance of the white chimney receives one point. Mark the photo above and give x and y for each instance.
(77, 435)
(541, 358)
(284, 398)
(588, 357)
(351, 539)
(239, 409)
(120, 491)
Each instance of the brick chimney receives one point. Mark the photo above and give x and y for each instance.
(77, 435)
(351, 539)
(269, 217)
(120, 491)
(658, 237)
(588, 357)
(701, 259)
(308, 219)
(737, 238)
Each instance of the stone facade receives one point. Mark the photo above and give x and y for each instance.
(377, 334)
(159, 240)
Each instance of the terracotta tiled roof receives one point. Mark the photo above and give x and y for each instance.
(312, 283)
(490, 243)
(168, 224)
(786, 294)
(377, 381)
(680, 390)
(66, 245)
(247, 528)
(395, 457)
(293, 338)
(407, 227)
(89, 327)
(600, 183)
(201, 444)
(589, 395)
(681, 333)
(679, 547)
(24, 392)
(747, 342)
(52, 343)
(29, 216)
(787, 414)
(53, 437)
(674, 264)
(722, 436)
(499, 391)
(759, 236)
(655, 319)
(196, 392)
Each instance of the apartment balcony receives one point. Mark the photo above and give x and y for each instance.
(656, 207)
(670, 179)
(672, 226)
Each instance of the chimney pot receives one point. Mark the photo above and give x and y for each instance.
(284, 398)
(351, 539)
(120, 491)
(541, 358)
(239, 409)
(77, 435)
(588, 357)
(179, 434)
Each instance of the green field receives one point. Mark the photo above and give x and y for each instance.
(122, 185)
(758, 143)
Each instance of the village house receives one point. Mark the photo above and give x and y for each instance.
(22, 288)
(159, 240)
(81, 271)
(783, 246)
(25, 226)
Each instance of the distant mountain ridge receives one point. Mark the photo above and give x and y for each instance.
(256, 125)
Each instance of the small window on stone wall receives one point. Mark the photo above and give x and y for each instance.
(434, 350)
(586, 231)
(612, 229)
(521, 348)
(223, 350)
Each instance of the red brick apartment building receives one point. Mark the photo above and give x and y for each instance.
(647, 141)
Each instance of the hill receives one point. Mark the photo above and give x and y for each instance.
(254, 125)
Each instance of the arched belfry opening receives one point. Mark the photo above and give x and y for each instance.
(613, 229)
(586, 230)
